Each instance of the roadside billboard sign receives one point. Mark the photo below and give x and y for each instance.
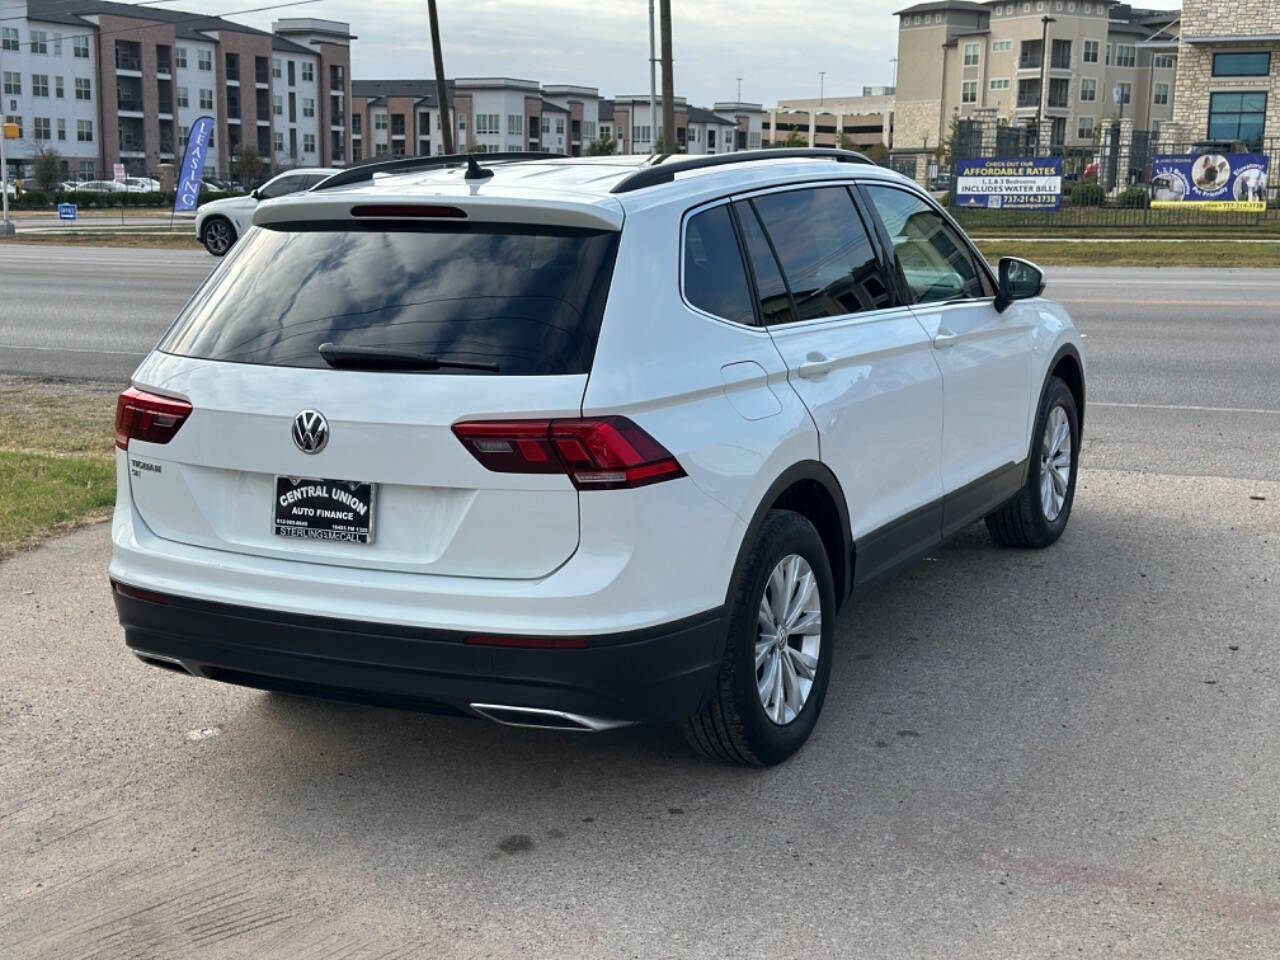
(1232, 182)
(1024, 183)
(117, 173)
(66, 211)
(191, 176)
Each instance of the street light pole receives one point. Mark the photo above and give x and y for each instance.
(670, 142)
(1044, 84)
(653, 88)
(822, 83)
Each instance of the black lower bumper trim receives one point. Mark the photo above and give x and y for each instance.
(660, 673)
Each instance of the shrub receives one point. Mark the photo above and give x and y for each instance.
(1135, 198)
(1089, 194)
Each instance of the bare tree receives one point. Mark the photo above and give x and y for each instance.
(442, 92)
(48, 167)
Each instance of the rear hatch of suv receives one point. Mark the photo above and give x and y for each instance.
(326, 364)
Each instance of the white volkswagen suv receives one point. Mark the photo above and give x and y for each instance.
(579, 443)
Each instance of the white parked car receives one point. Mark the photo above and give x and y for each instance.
(97, 186)
(141, 185)
(220, 223)
(584, 442)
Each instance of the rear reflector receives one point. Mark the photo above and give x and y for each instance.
(136, 594)
(148, 417)
(530, 643)
(601, 453)
(408, 210)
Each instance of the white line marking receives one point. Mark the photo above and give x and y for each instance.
(1175, 406)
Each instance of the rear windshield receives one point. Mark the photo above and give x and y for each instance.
(526, 299)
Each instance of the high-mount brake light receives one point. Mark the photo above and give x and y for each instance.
(596, 453)
(408, 211)
(148, 417)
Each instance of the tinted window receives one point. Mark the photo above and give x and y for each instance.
(529, 302)
(935, 262)
(826, 255)
(775, 304)
(714, 277)
(280, 186)
(1241, 64)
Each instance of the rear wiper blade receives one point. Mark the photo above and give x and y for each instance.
(387, 358)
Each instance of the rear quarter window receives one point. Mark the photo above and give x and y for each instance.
(715, 279)
(527, 299)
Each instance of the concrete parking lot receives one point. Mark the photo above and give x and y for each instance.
(1059, 754)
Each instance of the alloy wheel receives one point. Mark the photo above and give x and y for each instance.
(789, 639)
(1055, 463)
(217, 237)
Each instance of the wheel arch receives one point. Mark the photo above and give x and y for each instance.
(812, 490)
(1068, 367)
(204, 225)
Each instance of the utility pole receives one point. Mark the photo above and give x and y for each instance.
(739, 100)
(442, 91)
(1044, 64)
(822, 83)
(671, 145)
(653, 88)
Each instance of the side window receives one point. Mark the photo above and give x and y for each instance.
(278, 188)
(775, 303)
(714, 278)
(825, 252)
(935, 261)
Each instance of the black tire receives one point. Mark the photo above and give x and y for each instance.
(1022, 522)
(218, 236)
(733, 726)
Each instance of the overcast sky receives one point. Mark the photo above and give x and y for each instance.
(777, 47)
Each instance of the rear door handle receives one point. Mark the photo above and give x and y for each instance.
(815, 365)
(945, 338)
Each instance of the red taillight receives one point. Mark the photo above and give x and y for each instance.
(146, 416)
(603, 453)
(403, 210)
(137, 594)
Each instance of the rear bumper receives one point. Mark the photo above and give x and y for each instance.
(659, 673)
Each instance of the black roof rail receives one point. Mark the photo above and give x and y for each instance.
(664, 171)
(365, 171)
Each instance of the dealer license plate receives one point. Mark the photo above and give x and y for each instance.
(336, 510)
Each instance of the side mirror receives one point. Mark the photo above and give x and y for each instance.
(1019, 280)
(257, 194)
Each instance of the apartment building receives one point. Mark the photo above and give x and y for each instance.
(106, 83)
(860, 122)
(1064, 65)
(396, 118)
(1228, 73)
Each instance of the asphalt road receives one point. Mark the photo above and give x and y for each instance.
(1059, 754)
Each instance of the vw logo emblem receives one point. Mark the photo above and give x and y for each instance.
(310, 431)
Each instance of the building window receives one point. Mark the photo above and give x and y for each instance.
(308, 143)
(380, 121)
(969, 91)
(357, 154)
(39, 41)
(1238, 116)
(1002, 46)
(357, 124)
(57, 87)
(515, 124)
(179, 56)
(1091, 51)
(397, 124)
(640, 133)
(184, 134)
(206, 99)
(1161, 98)
(1084, 128)
(487, 123)
(546, 124)
(12, 82)
(9, 39)
(379, 149)
(80, 48)
(1060, 55)
(16, 120)
(308, 107)
(1241, 64)
(424, 124)
(276, 71)
(753, 141)
(588, 129)
(559, 124)
(41, 128)
(462, 121)
(1164, 61)
(62, 129)
(39, 84)
(972, 53)
(1088, 90)
(308, 72)
(183, 99)
(1001, 83)
(57, 44)
(204, 59)
(277, 105)
(1126, 92)
(84, 131)
(1126, 55)
(83, 90)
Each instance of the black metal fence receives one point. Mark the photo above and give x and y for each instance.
(1111, 183)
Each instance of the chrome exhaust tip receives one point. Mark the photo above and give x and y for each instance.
(542, 719)
(161, 661)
